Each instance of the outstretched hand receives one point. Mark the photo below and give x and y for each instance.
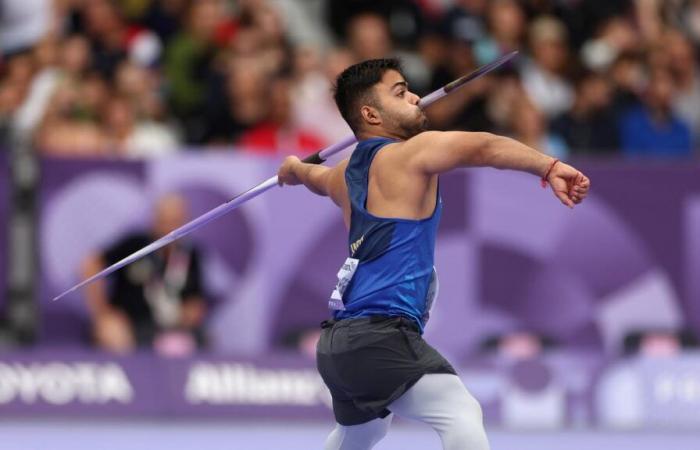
(286, 173)
(568, 184)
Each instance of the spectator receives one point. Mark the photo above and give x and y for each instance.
(466, 19)
(529, 126)
(212, 81)
(13, 88)
(312, 100)
(617, 36)
(158, 301)
(71, 126)
(503, 99)
(242, 104)
(689, 20)
(629, 80)
(163, 17)
(278, 134)
(590, 127)
(465, 109)
(517, 345)
(188, 65)
(544, 77)
(64, 69)
(23, 23)
(652, 129)
(659, 343)
(10, 100)
(126, 136)
(684, 70)
(369, 37)
(506, 22)
(114, 39)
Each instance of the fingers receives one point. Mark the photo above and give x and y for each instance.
(569, 185)
(280, 176)
(564, 198)
(285, 170)
(579, 188)
(283, 175)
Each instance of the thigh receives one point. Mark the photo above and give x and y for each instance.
(442, 401)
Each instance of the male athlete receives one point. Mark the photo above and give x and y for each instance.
(371, 354)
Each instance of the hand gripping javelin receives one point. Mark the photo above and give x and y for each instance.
(316, 158)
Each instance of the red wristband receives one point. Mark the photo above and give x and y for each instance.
(543, 181)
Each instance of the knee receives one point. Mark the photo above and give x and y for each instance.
(358, 437)
(466, 430)
(376, 430)
(464, 434)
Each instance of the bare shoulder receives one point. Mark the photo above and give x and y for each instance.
(432, 139)
(421, 140)
(402, 155)
(434, 152)
(424, 141)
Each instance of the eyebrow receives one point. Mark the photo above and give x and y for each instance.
(399, 83)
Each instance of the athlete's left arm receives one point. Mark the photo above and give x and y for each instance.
(434, 152)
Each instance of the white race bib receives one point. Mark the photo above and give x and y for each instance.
(345, 274)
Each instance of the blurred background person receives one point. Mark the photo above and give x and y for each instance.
(529, 126)
(206, 27)
(652, 129)
(590, 127)
(545, 75)
(156, 303)
(506, 29)
(659, 343)
(279, 133)
(683, 67)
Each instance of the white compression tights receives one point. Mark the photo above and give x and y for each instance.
(439, 400)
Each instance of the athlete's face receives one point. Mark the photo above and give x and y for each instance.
(398, 107)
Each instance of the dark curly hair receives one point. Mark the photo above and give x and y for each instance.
(353, 87)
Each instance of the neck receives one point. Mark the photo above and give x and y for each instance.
(362, 135)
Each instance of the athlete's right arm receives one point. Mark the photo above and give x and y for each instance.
(435, 152)
(321, 180)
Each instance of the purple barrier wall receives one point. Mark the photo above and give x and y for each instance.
(556, 391)
(509, 255)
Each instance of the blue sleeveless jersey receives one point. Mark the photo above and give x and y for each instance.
(395, 268)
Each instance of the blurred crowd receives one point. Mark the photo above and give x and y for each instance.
(145, 78)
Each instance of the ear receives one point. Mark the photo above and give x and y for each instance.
(370, 115)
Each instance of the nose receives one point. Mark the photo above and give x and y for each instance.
(414, 99)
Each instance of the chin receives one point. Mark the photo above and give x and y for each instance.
(424, 124)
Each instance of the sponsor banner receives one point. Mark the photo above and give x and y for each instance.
(549, 393)
(273, 388)
(76, 383)
(651, 392)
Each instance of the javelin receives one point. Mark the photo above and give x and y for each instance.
(317, 158)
